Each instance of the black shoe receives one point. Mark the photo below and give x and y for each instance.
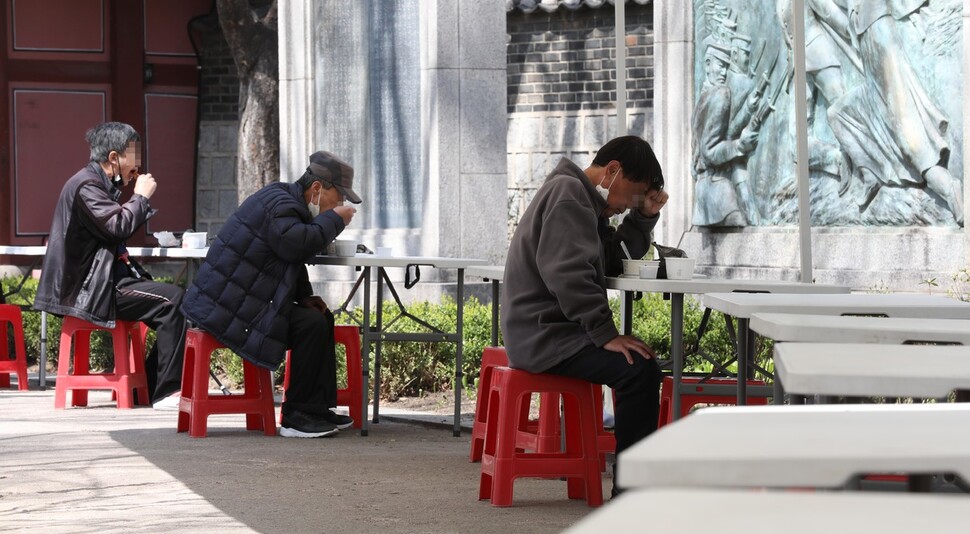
(340, 421)
(302, 425)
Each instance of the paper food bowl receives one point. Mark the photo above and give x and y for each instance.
(631, 268)
(345, 247)
(194, 240)
(680, 268)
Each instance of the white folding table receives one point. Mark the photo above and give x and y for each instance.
(852, 329)
(922, 371)
(678, 288)
(820, 446)
(689, 511)
(375, 334)
(743, 306)
(38, 252)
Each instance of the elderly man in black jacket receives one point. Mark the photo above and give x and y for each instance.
(254, 295)
(87, 272)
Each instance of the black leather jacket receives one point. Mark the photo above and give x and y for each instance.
(89, 228)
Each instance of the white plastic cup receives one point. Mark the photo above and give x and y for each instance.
(649, 271)
(631, 268)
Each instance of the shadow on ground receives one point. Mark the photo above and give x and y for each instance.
(102, 469)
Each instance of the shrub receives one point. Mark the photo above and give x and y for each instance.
(101, 345)
(415, 368)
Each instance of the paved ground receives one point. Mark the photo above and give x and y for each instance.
(100, 469)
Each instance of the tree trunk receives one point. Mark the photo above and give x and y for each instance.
(253, 43)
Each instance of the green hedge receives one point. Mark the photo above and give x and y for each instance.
(415, 368)
(101, 351)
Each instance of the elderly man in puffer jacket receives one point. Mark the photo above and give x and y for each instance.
(254, 295)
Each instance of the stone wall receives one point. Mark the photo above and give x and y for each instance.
(562, 89)
(215, 188)
(565, 60)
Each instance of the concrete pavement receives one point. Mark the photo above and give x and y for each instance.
(100, 469)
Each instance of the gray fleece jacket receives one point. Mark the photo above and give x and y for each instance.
(554, 294)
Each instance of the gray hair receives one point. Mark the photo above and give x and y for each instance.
(110, 136)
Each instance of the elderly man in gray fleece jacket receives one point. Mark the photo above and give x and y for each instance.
(555, 314)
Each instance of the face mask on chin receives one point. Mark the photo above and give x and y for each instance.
(117, 181)
(314, 206)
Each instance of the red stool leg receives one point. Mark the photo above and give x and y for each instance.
(349, 337)
(122, 354)
(78, 361)
(188, 388)
(11, 314)
(266, 402)
(491, 358)
(256, 402)
(4, 355)
(252, 382)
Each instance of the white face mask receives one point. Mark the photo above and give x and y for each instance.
(605, 191)
(314, 206)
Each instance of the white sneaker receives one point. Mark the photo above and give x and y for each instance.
(170, 403)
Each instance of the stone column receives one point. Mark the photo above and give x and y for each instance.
(966, 127)
(672, 108)
(296, 87)
(463, 128)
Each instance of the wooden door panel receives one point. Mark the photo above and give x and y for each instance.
(48, 147)
(170, 157)
(165, 27)
(46, 26)
(66, 65)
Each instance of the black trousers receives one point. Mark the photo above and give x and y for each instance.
(637, 389)
(313, 363)
(157, 305)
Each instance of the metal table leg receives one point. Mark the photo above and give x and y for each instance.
(365, 351)
(676, 349)
(379, 330)
(745, 346)
(42, 367)
(495, 297)
(459, 345)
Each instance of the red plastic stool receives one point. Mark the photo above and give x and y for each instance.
(539, 436)
(502, 463)
(351, 396)
(689, 400)
(197, 405)
(10, 313)
(491, 357)
(548, 438)
(129, 364)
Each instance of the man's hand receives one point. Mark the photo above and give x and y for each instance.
(314, 303)
(145, 185)
(629, 345)
(346, 213)
(748, 140)
(653, 202)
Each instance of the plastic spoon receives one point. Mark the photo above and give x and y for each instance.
(625, 250)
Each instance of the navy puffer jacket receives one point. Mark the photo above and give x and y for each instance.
(255, 272)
